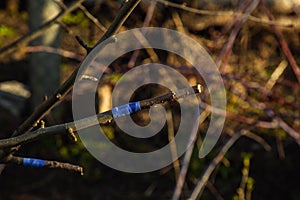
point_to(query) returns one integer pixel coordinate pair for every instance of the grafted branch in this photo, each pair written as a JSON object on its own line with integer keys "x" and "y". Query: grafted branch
{"x": 39, "y": 163}
{"x": 102, "y": 118}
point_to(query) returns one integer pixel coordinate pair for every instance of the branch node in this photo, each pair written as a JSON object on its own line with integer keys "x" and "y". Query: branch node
{"x": 88, "y": 77}
{"x": 124, "y": 2}
{"x": 42, "y": 123}
{"x": 200, "y": 88}
{"x": 58, "y": 96}
{"x": 83, "y": 44}
{"x": 72, "y": 134}
{"x": 36, "y": 123}
{"x": 66, "y": 166}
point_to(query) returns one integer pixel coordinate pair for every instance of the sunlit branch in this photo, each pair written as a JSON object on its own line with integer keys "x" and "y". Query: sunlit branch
{"x": 40, "y": 163}
{"x": 102, "y": 118}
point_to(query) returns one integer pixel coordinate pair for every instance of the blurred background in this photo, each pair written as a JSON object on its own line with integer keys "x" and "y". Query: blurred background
{"x": 256, "y": 57}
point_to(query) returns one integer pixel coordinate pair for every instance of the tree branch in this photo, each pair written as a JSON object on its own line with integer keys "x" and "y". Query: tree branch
{"x": 31, "y": 36}
{"x": 187, "y": 158}
{"x": 53, "y": 100}
{"x": 48, "y": 104}
{"x": 217, "y": 159}
{"x": 220, "y": 13}
{"x": 283, "y": 44}
{"x": 102, "y": 118}
{"x": 38, "y": 163}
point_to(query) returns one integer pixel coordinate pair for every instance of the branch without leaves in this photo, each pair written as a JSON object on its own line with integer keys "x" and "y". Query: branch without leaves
{"x": 33, "y": 162}
{"x": 220, "y": 13}
{"x": 215, "y": 162}
{"x": 48, "y": 104}
{"x": 31, "y": 36}
{"x": 187, "y": 158}
{"x": 102, "y": 118}
{"x": 53, "y": 100}
{"x": 283, "y": 44}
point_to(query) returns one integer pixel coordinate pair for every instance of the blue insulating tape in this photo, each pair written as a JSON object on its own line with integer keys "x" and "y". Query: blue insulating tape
{"x": 126, "y": 109}
{"x": 32, "y": 162}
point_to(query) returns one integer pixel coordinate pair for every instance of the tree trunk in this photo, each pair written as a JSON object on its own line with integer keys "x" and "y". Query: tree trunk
{"x": 44, "y": 67}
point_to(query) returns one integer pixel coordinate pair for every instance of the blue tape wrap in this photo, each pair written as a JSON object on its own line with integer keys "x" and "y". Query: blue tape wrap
{"x": 126, "y": 109}
{"x": 32, "y": 162}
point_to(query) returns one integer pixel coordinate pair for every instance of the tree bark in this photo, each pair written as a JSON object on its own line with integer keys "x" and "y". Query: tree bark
{"x": 44, "y": 67}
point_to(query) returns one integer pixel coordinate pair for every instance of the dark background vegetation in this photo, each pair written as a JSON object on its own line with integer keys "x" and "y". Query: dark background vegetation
{"x": 255, "y": 55}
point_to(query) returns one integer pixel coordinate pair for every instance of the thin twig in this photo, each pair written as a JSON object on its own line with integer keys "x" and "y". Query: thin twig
{"x": 218, "y": 13}
{"x": 83, "y": 44}
{"x": 214, "y": 191}
{"x": 146, "y": 23}
{"x": 173, "y": 148}
{"x": 33, "y": 162}
{"x": 226, "y": 51}
{"x": 275, "y": 75}
{"x": 292, "y": 132}
{"x": 185, "y": 165}
{"x": 53, "y": 100}
{"x": 279, "y": 144}
{"x": 92, "y": 18}
{"x": 259, "y": 140}
{"x": 241, "y": 118}
{"x": 47, "y": 105}
{"x": 262, "y": 90}
{"x": 187, "y": 158}
{"x": 202, "y": 182}
{"x": 31, "y": 36}
{"x": 48, "y": 49}
{"x": 123, "y": 14}
{"x": 245, "y": 176}
{"x": 283, "y": 44}
{"x": 277, "y": 121}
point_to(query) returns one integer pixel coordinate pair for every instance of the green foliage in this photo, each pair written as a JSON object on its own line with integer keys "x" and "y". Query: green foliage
{"x": 114, "y": 78}
{"x": 77, "y": 18}
{"x": 109, "y": 132}
{"x": 6, "y": 32}
{"x": 250, "y": 184}
{"x": 247, "y": 182}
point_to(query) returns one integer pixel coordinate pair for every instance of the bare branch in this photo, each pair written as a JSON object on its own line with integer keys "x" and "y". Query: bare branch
{"x": 92, "y": 18}
{"x": 83, "y": 44}
{"x": 293, "y": 133}
{"x": 283, "y": 44}
{"x": 48, "y": 49}
{"x": 187, "y": 158}
{"x": 102, "y": 118}
{"x": 220, "y": 13}
{"x": 53, "y": 100}
{"x": 173, "y": 148}
{"x": 218, "y": 158}
{"x": 33, "y": 162}
{"x": 259, "y": 140}
{"x": 240, "y": 20}
{"x": 27, "y": 38}
{"x": 48, "y": 104}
